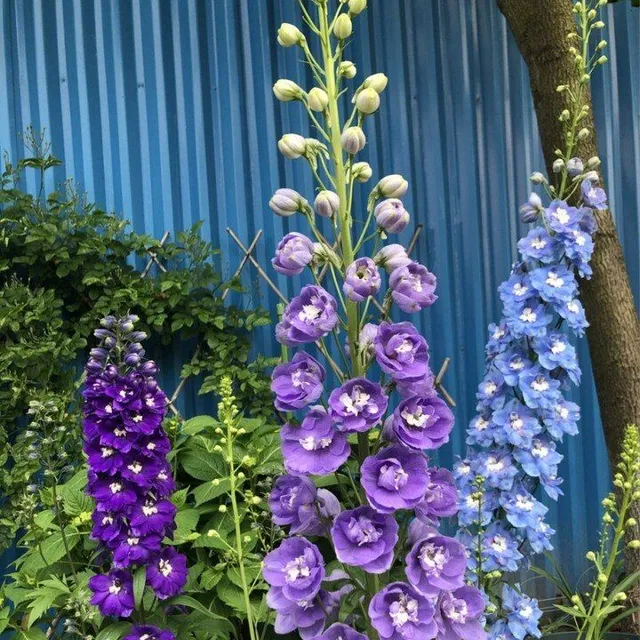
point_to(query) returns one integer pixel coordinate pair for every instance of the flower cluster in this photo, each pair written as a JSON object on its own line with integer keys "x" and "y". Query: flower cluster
{"x": 372, "y": 418}
{"x": 522, "y": 410}
{"x": 129, "y": 476}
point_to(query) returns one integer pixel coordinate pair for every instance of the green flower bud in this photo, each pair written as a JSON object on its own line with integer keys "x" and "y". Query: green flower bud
{"x": 593, "y": 162}
{"x": 292, "y": 145}
{"x": 222, "y": 508}
{"x": 317, "y": 99}
{"x": 212, "y": 533}
{"x": 378, "y": 82}
{"x": 598, "y": 25}
{"x": 537, "y": 178}
{"x": 621, "y": 597}
{"x": 591, "y": 556}
{"x": 361, "y": 171}
{"x": 256, "y": 500}
{"x": 634, "y": 544}
{"x": 631, "y": 522}
{"x": 323, "y": 254}
{"x": 347, "y": 69}
{"x": 558, "y": 165}
{"x": 246, "y": 539}
{"x": 602, "y": 60}
{"x": 392, "y": 186}
{"x": 287, "y": 90}
{"x": 602, "y": 579}
{"x": 343, "y": 27}
{"x": 289, "y": 35}
{"x": 353, "y": 140}
{"x": 592, "y": 14}
{"x": 368, "y": 101}
{"x": 583, "y": 134}
{"x": 602, "y": 45}
{"x": 241, "y": 476}
{"x": 575, "y": 599}
{"x": 356, "y": 7}
{"x": 215, "y": 482}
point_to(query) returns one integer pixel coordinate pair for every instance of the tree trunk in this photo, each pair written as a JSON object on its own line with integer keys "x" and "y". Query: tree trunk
{"x": 540, "y": 28}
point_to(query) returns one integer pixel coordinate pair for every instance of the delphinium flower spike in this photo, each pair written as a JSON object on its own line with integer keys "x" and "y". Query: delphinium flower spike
{"x": 129, "y": 476}
{"x": 364, "y": 558}
{"x": 522, "y": 410}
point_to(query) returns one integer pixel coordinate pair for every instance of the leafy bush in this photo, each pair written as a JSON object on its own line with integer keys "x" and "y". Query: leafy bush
{"x": 64, "y": 265}
{"x": 48, "y": 589}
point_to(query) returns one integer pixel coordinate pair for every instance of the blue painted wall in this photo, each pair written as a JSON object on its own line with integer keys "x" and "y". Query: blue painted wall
{"x": 162, "y": 110}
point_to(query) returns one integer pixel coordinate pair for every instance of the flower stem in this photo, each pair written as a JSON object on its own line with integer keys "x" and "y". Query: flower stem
{"x": 345, "y": 223}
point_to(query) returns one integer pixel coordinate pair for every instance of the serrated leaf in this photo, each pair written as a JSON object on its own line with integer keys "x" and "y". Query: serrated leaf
{"x": 51, "y": 550}
{"x": 114, "y": 631}
{"x": 197, "y": 424}
{"x": 202, "y": 464}
{"x": 192, "y": 603}
{"x": 210, "y": 490}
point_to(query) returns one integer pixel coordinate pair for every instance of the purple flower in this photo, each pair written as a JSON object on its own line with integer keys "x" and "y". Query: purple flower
{"x": 425, "y": 386}
{"x": 422, "y": 423}
{"x": 459, "y": 615}
{"x": 413, "y": 287}
{"x": 560, "y": 216}
{"x": 293, "y": 253}
{"x": 593, "y": 196}
{"x": 308, "y": 317}
{"x": 401, "y": 351}
{"x": 531, "y": 209}
{"x": 307, "y": 617}
{"x": 395, "y": 478}
{"x": 297, "y": 383}
{"x": 113, "y": 593}
{"x": 168, "y": 573}
{"x": 441, "y": 498}
{"x": 391, "y": 215}
{"x": 339, "y": 631}
{"x": 292, "y": 502}
{"x": 399, "y": 612}
{"x": 315, "y": 447}
{"x": 136, "y": 550}
{"x": 436, "y": 563}
{"x": 358, "y": 405}
{"x": 296, "y": 567}
{"x": 149, "y": 632}
{"x": 391, "y": 257}
{"x": 362, "y": 280}
{"x": 362, "y": 537}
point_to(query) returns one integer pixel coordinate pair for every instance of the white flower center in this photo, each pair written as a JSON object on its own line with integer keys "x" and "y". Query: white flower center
{"x": 433, "y": 558}
{"x": 296, "y": 569}
{"x": 165, "y": 568}
{"x": 481, "y": 424}
{"x": 405, "y": 347}
{"x": 106, "y": 452}
{"x": 312, "y": 444}
{"x": 524, "y": 503}
{"x": 115, "y": 588}
{"x": 309, "y": 313}
{"x": 562, "y": 215}
{"x": 540, "y": 384}
{"x": 525, "y": 611}
{"x": 539, "y": 450}
{"x": 538, "y": 244}
{"x": 554, "y": 280}
{"x": 499, "y": 544}
{"x": 519, "y": 289}
{"x": 137, "y": 418}
{"x": 490, "y": 388}
{"x": 494, "y": 464}
{"x": 135, "y": 467}
{"x": 528, "y": 315}
{"x": 563, "y": 412}
{"x": 132, "y": 542}
{"x": 149, "y": 510}
{"x": 417, "y": 419}
{"x": 403, "y": 611}
{"x": 356, "y": 402}
{"x": 573, "y": 307}
{"x": 115, "y": 487}
{"x": 558, "y": 347}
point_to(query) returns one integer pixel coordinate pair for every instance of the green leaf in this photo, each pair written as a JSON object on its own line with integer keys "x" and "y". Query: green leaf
{"x": 210, "y": 490}
{"x": 51, "y": 550}
{"x": 197, "y": 424}
{"x": 139, "y": 583}
{"x": 114, "y": 631}
{"x": 231, "y": 594}
{"x": 192, "y": 603}
{"x": 202, "y": 464}
{"x": 32, "y": 634}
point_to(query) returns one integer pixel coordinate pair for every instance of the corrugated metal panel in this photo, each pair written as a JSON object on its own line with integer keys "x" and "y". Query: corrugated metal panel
{"x": 162, "y": 110}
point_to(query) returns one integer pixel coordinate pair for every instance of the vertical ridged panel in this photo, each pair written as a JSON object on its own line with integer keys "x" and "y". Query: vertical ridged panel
{"x": 163, "y": 112}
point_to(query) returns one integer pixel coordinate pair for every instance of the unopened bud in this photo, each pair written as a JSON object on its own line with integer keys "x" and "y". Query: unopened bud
{"x": 292, "y": 145}
{"x": 591, "y": 556}
{"x": 343, "y": 27}
{"x": 286, "y": 90}
{"x": 583, "y": 134}
{"x": 356, "y": 7}
{"x": 602, "y": 60}
{"x": 347, "y": 69}
{"x": 564, "y": 116}
{"x": 634, "y": 544}
{"x": 215, "y": 482}
{"x": 318, "y": 99}
{"x": 368, "y": 101}
{"x": 361, "y": 171}
{"x": 537, "y": 178}
{"x": 598, "y": 25}
{"x": 575, "y": 599}
{"x": 592, "y": 14}
{"x": 602, "y": 45}
{"x": 286, "y": 202}
{"x": 212, "y": 533}
{"x": 353, "y": 140}
{"x": 392, "y": 186}
{"x": 222, "y": 508}
{"x": 378, "y": 82}
{"x": 558, "y": 165}
{"x": 631, "y": 522}
{"x": 289, "y": 35}
{"x": 326, "y": 204}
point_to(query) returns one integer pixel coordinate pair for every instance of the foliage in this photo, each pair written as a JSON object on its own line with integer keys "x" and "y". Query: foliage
{"x": 48, "y": 588}
{"x": 65, "y": 264}
{"x": 598, "y": 611}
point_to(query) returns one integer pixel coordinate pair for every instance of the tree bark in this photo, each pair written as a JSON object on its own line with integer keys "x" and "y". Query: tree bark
{"x": 540, "y": 28}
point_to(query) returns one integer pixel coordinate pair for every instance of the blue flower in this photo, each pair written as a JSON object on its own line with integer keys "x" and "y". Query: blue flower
{"x": 541, "y": 460}
{"x": 539, "y": 245}
{"x": 523, "y": 613}
{"x": 578, "y": 246}
{"x": 562, "y": 417}
{"x": 521, "y": 508}
{"x": 530, "y": 320}
{"x": 474, "y": 510}
{"x": 489, "y": 391}
{"x": 539, "y": 536}
{"x": 538, "y": 388}
{"x": 555, "y": 283}
{"x": 560, "y": 216}
{"x": 555, "y": 351}
{"x": 515, "y": 291}
{"x": 482, "y": 432}
{"x": 500, "y": 549}
{"x": 511, "y": 363}
{"x": 593, "y": 196}
{"x": 500, "y": 631}
{"x": 519, "y": 423}
{"x": 499, "y": 338}
{"x": 573, "y": 313}
{"x": 497, "y": 468}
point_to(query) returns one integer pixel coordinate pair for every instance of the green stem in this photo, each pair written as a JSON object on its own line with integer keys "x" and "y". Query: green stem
{"x": 236, "y": 519}
{"x": 345, "y": 223}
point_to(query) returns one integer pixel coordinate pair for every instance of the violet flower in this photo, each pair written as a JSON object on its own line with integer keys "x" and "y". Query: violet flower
{"x": 292, "y": 503}
{"x": 339, "y": 631}
{"x": 364, "y": 538}
{"x": 362, "y": 280}
{"x": 358, "y": 405}
{"x": 297, "y": 383}
{"x": 401, "y": 351}
{"x": 459, "y": 614}
{"x": 422, "y": 423}
{"x": 148, "y": 632}
{"x": 391, "y": 215}
{"x": 113, "y": 593}
{"x": 413, "y": 287}
{"x": 293, "y": 253}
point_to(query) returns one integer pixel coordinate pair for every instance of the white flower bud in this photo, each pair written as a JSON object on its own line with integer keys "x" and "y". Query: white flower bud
{"x": 286, "y": 90}
{"x": 292, "y": 145}
{"x": 286, "y": 202}
{"x": 602, "y": 60}
{"x": 289, "y": 35}
{"x": 347, "y": 69}
{"x": 598, "y": 25}
{"x": 558, "y": 165}
{"x": 378, "y": 82}
{"x": 326, "y": 204}
{"x": 593, "y": 162}
{"x": 318, "y": 99}
{"x": 343, "y": 27}
{"x": 361, "y": 171}
{"x": 356, "y": 7}
{"x": 353, "y": 140}
{"x": 537, "y": 178}
{"x": 393, "y": 186}
{"x": 583, "y": 134}
{"x": 368, "y": 101}
{"x": 591, "y": 175}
